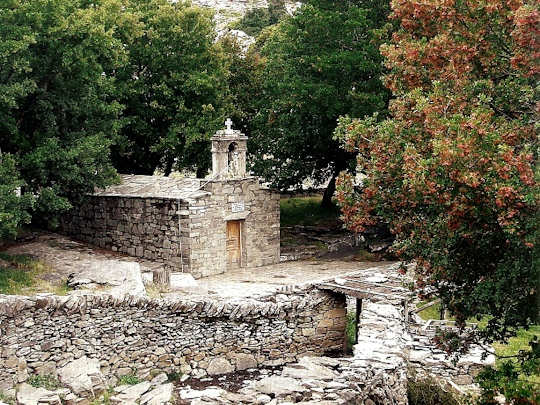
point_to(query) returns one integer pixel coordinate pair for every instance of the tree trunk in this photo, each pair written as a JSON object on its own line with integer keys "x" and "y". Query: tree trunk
{"x": 329, "y": 193}
{"x": 161, "y": 277}
{"x": 201, "y": 172}
{"x": 168, "y": 166}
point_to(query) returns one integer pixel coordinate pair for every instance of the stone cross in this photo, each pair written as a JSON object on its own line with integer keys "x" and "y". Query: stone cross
{"x": 228, "y": 124}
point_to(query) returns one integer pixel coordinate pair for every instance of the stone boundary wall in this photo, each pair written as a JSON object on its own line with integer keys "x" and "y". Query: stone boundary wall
{"x": 140, "y": 335}
{"x": 428, "y": 360}
{"x": 143, "y": 227}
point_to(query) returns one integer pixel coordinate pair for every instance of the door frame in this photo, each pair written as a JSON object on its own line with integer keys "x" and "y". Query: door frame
{"x": 241, "y": 223}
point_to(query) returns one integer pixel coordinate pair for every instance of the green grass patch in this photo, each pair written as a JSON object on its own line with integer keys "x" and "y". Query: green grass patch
{"x": 46, "y": 381}
{"x": 433, "y": 312}
{"x": 6, "y": 399}
{"x": 307, "y": 211}
{"x": 350, "y": 329}
{"x": 130, "y": 379}
{"x": 14, "y": 280}
{"x": 515, "y": 345}
{"x": 19, "y": 275}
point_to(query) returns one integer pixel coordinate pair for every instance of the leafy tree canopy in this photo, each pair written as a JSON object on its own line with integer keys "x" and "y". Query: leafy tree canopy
{"x": 14, "y": 208}
{"x": 317, "y": 65}
{"x": 56, "y": 113}
{"x": 255, "y": 20}
{"x": 78, "y": 78}
{"x": 452, "y": 169}
{"x": 173, "y": 87}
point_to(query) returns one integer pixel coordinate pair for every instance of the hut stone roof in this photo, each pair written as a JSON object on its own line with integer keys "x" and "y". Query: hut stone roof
{"x": 154, "y": 187}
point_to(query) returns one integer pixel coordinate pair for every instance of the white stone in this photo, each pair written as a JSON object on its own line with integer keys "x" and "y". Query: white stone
{"x": 262, "y": 399}
{"x": 134, "y": 392}
{"x": 79, "y": 374}
{"x": 119, "y": 277}
{"x": 278, "y": 385}
{"x": 147, "y": 278}
{"x": 158, "y": 396}
{"x": 182, "y": 280}
{"x": 219, "y": 365}
{"x": 159, "y": 379}
{"x": 28, "y": 395}
{"x": 211, "y": 393}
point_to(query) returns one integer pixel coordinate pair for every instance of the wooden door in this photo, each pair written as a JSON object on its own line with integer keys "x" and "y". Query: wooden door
{"x": 234, "y": 252}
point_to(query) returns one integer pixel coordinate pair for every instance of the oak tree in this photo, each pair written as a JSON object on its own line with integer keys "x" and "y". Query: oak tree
{"x": 320, "y": 63}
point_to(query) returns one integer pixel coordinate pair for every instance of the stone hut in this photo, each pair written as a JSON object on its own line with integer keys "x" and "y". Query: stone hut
{"x": 198, "y": 226}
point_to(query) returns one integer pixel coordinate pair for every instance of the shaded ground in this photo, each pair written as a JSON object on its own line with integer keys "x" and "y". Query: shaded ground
{"x": 309, "y": 230}
{"x": 56, "y": 257}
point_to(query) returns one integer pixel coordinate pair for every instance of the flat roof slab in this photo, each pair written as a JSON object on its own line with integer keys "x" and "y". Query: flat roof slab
{"x": 256, "y": 281}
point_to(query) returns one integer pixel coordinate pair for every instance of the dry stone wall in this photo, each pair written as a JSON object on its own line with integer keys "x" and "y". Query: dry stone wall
{"x": 149, "y": 228}
{"x": 39, "y": 335}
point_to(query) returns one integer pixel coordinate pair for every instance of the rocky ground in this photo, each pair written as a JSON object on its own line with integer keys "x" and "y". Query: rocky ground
{"x": 231, "y": 10}
{"x": 333, "y": 242}
{"x": 83, "y": 267}
{"x": 375, "y": 374}
{"x": 79, "y": 265}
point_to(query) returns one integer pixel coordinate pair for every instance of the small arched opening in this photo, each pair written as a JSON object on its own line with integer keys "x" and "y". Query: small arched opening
{"x": 233, "y": 158}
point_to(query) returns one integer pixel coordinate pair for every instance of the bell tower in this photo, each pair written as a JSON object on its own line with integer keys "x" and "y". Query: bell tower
{"x": 229, "y": 149}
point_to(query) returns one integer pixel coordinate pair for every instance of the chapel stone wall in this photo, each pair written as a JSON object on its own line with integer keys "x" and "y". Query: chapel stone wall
{"x": 156, "y": 229}
{"x": 240, "y": 199}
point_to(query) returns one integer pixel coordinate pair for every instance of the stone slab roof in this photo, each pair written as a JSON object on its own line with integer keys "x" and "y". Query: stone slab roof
{"x": 154, "y": 187}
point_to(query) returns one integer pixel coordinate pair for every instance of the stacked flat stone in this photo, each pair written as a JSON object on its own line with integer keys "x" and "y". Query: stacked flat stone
{"x": 135, "y": 334}
{"x": 181, "y": 223}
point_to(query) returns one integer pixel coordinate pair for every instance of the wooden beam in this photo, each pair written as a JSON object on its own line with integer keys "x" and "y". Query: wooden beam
{"x": 363, "y": 292}
{"x": 358, "y": 312}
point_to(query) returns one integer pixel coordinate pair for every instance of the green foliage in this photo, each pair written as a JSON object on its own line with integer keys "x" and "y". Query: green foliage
{"x": 173, "y": 87}
{"x": 174, "y": 376}
{"x": 426, "y": 391}
{"x": 14, "y": 208}
{"x": 516, "y": 374}
{"x": 79, "y": 79}
{"x": 350, "y": 329}
{"x": 129, "y": 379}
{"x": 452, "y": 170}
{"x": 46, "y": 381}
{"x": 512, "y": 378}
{"x": 307, "y": 211}
{"x": 55, "y": 111}
{"x": 255, "y": 20}
{"x": 8, "y": 400}
{"x": 304, "y": 73}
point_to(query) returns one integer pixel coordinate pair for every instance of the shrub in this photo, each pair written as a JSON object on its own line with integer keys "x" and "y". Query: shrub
{"x": 130, "y": 379}
{"x": 46, "y": 381}
{"x": 427, "y": 391}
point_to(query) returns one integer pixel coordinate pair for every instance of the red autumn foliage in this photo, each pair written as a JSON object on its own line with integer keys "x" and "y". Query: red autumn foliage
{"x": 452, "y": 171}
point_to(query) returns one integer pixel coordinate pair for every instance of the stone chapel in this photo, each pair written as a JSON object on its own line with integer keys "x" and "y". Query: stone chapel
{"x": 198, "y": 226}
